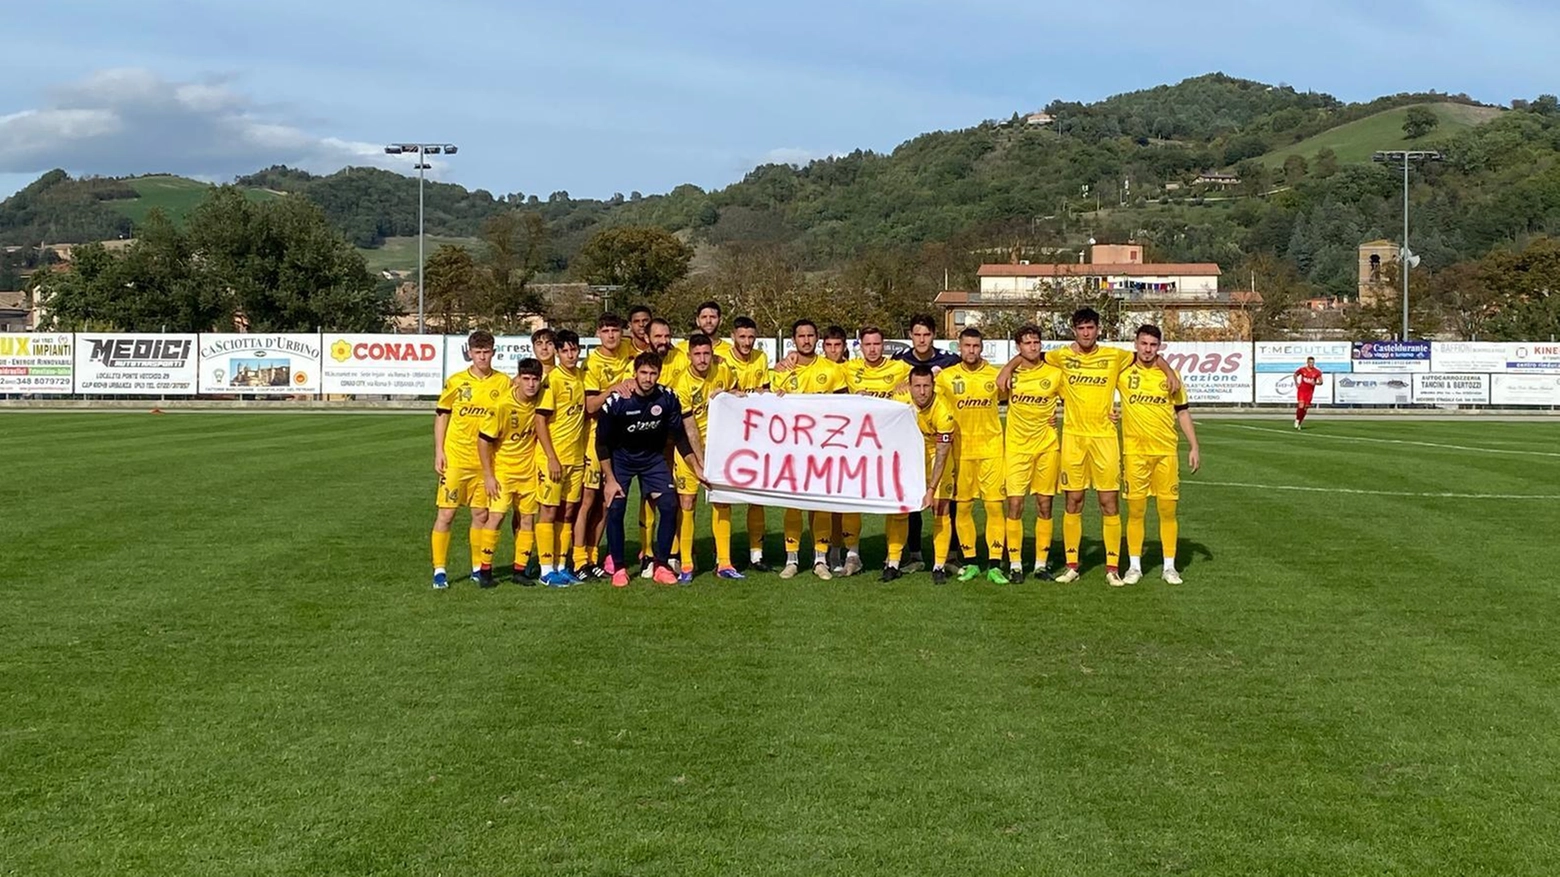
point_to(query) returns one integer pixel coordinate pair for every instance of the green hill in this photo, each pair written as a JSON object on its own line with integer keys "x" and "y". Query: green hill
{"x": 400, "y": 253}
{"x": 1353, "y": 142}
{"x": 176, "y": 196}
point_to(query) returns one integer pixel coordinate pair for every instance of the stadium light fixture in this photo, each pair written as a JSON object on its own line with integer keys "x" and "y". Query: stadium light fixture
{"x": 422, "y": 151}
{"x": 1406, "y": 258}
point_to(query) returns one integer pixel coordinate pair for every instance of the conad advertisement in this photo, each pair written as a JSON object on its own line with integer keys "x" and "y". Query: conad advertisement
{"x": 35, "y": 363}
{"x": 1439, "y": 389}
{"x": 260, "y": 364}
{"x": 1373, "y": 389}
{"x": 385, "y": 365}
{"x": 1214, "y": 371}
{"x": 137, "y": 365}
{"x": 1525, "y": 389}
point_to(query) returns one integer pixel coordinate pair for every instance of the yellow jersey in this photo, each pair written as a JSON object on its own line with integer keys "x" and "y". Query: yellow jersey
{"x": 468, "y": 400}
{"x": 694, "y": 392}
{"x": 879, "y": 380}
{"x": 722, "y": 347}
{"x": 936, "y": 424}
{"x": 672, "y": 365}
{"x": 1089, "y": 391}
{"x": 751, "y": 374}
{"x": 1031, "y": 403}
{"x": 512, "y": 424}
{"x": 604, "y": 370}
{"x": 1148, "y": 411}
{"x": 819, "y": 376}
{"x": 973, "y": 395}
{"x": 563, "y": 396}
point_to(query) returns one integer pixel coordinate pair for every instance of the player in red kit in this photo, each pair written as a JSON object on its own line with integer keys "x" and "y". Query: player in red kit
{"x": 1307, "y": 379}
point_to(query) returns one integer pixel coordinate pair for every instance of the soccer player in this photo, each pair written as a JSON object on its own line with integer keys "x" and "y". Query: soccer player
{"x": 750, "y": 372}
{"x": 706, "y": 377}
{"x": 639, "y": 318}
{"x": 467, "y": 399}
{"x": 673, "y": 361}
{"x": 560, "y": 432}
{"x": 872, "y": 375}
{"x": 707, "y": 322}
{"x": 1091, "y": 449}
{"x": 1307, "y": 379}
{"x": 971, "y": 388}
{"x": 544, "y": 346}
{"x": 507, "y": 448}
{"x": 1150, "y": 411}
{"x": 631, "y": 437}
{"x": 812, "y": 373}
{"x": 923, "y": 330}
{"x": 1033, "y": 449}
{"x": 609, "y": 366}
{"x": 938, "y": 428}
{"x": 836, "y": 349}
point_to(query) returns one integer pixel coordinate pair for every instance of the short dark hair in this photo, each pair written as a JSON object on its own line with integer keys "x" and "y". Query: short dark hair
{"x": 640, "y": 309}
{"x": 567, "y": 337}
{"x": 744, "y": 323}
{"x": 481, "y": 339}
{"x": 971, "y": 332}
{"x": 1151, "y": 330}
{"x": 835, "y": 333}
{"x": 922, "y": 371}
{"x": 699, "y": 339}
{"x": 706, "y": 306}
{"x": 650, "y": 358}
{"x": 1310, "y": 359}
{"x": 800, "y": 323}
{"x": 1085, "y": 315}
{"x": 869, "y": 330}
{"x": 609, "y": 321}
{"x": 547, "y": 335}
{"x": 924, "y": 320}
{"x": 661, "y": 321}
{"x": 1026, "y": 330}
{"x": 529, "y": 366}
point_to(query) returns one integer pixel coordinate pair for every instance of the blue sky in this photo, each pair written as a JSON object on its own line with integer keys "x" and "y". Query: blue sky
{"x": 600, "y": 97}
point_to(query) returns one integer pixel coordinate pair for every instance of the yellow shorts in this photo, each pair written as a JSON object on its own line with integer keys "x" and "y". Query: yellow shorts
{"x": 592, "y": 474}
{"x": 682, "y": 476}
{"x": 515, "y": 493}
{"x": 943, "y": 489}
{"x": 1158, "y": 475}
{"x": 565, "y": 490}
{"x": 1035, "y": 474}
{"x": 979, "y": 479}
{"x": 1091, "y": 462}
{"x": 461, "y": 487}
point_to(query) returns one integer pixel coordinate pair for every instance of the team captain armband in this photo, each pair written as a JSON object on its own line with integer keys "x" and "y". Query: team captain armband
{"x": 945, "y": 438}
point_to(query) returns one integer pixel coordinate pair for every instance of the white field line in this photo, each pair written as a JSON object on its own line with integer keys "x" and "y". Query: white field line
{"x": 1365, "y": 492}
{"x": 1387, "y": 441}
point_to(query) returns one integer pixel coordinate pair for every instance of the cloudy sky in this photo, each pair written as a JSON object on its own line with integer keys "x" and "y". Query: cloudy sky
{"x": 599, "y": 97}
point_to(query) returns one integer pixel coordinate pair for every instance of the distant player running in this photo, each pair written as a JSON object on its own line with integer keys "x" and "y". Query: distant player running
{"x": 1307, "y": 379}
{"x": 1150, "y": 411}
{"x": 631, "y": 437}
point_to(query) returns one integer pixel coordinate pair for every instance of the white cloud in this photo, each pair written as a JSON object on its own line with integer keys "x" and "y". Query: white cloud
{"x": 129, "y": 121}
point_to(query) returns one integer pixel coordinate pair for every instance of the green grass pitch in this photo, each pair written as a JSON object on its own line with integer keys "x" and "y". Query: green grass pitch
{"x": 219, "y": 654}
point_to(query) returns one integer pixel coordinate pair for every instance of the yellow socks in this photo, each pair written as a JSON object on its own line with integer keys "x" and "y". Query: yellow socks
{"x": 1112, "y": 531}
{"x": 525, "y": 540}
{"x": 581, "y": 557}
{"x": 1072, "y": 535}
{"x": 964, "y": 529}
{"x": 720, "y": 527}
{"x": 565, "y": 542}
{"x": 940, "y": 526}
{"x": 897, "y": 531}
{"x": 489, "y": 542}
{"x": 1015, "y": 542}
{"x": 755, "y": 530}
{"x": 1137, "y": 525}
{"x": 996, "y": 532}
{"x": 546, "y": 545}
{"x": 793, "y": 530}
{"x": 475, "y": 540}
{"x": 823, "y": 532}
{"x": 1045, "y": 529}
{"x": 685, "y": 518}
{"x": 441, "y": 548}
{"x": 849, "y": 531}
{"x": 1169, "y": 530}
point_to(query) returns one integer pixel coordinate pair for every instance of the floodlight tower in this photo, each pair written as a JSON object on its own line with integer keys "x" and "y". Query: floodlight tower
{"x": 1406, "y": 258}
{"x": 422, "y": 151}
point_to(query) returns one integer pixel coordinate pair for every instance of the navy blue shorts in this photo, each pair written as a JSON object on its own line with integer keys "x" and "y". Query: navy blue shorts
{"x": 653, "y": 473}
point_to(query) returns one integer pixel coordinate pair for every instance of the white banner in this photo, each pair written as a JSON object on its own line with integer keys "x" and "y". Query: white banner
{"x": 822, "y": 453}
{"x": 384, "y": 365}
{"x": 1279, "y": 357}
{"x": 260, "y": 364}
{"x": 1443, "y": 389}
{"x": 137, "y": 365}
{"x": 1274, "y": 388}
{"x": 508, "y": 350}
{"x": 1469, "y": 356}
{"x": 1373, "y": 389}
{"x": 1525, "y": 389}
{"x": 33, "y": 362}
{"x": 1530, "y": 357}
{"x": 1213, "y": 371}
